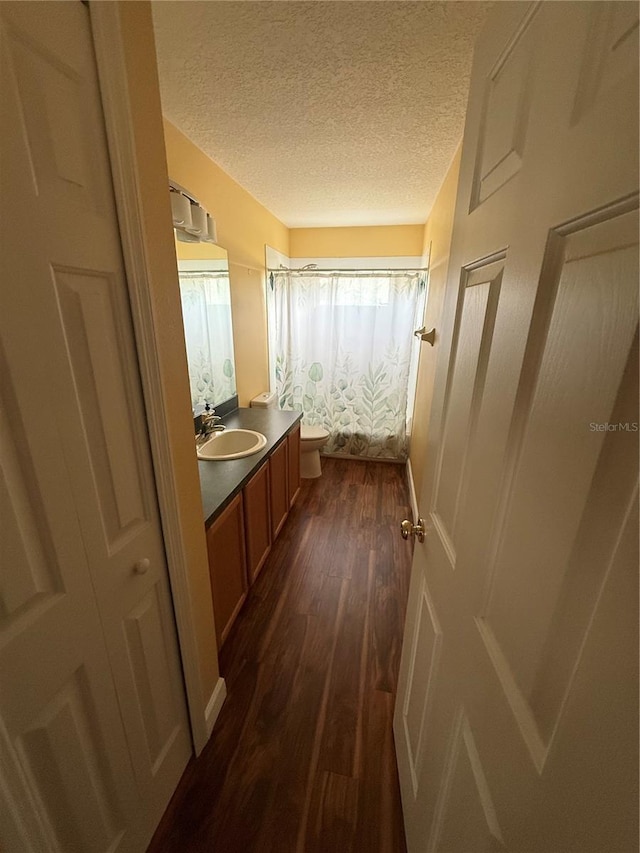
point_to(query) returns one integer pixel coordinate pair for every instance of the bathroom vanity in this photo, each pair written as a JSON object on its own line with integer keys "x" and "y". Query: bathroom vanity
{"x": 246, "y": 502}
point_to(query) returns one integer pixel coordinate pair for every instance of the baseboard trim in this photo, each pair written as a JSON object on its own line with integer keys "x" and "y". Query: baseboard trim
{"x": 412, "y": 493}
{"x": 349, "y": 458}
{"x": 214, "y": 705}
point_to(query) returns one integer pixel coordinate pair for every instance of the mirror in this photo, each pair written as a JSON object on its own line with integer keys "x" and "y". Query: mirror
{"x": 203, "y": 271}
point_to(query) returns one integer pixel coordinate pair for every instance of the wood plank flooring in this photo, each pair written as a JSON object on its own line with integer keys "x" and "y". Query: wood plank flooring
{"x": 302, "y": 756}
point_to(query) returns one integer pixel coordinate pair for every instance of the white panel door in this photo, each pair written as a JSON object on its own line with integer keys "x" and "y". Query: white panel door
{"x": 516, "y": 723}
{"x": 91, "y": 699}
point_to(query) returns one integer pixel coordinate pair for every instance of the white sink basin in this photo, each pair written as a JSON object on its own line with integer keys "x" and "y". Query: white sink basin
{"x": 231, "y": 444}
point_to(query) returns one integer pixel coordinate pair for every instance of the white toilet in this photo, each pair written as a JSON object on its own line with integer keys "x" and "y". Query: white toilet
{"x": 312, "y": 438}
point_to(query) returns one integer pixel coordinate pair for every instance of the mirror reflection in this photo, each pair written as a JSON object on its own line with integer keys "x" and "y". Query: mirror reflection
{"x": 206, "y": 311}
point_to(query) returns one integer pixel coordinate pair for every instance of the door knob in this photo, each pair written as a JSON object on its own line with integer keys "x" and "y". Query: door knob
{"x": 142, "y": 566}
{"x": 429, "y": 336}
{"x": 408, "y": 528}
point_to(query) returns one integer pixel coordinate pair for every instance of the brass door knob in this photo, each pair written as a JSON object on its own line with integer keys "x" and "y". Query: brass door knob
{"x": 408, "y": 528}
{"x": 429, "y": 337}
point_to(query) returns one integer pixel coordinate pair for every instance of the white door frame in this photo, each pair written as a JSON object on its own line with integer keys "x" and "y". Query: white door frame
{"x": 112, "y": 76}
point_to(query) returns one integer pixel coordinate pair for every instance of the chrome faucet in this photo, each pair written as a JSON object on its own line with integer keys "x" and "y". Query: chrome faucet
{"x": 210, "y": 422}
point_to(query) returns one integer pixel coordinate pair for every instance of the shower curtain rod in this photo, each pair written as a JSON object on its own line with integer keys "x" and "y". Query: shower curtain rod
{"x": 352, "y": 271}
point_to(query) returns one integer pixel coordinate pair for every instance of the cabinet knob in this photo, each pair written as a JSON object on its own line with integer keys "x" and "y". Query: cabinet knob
{"x": 142, "y": 566}
{"x": 407, "y": 529}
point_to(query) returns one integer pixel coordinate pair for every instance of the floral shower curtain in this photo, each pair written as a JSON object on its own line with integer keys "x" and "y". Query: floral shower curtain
{"x": 344, "y": 349}
{"x": 206, "y": 308}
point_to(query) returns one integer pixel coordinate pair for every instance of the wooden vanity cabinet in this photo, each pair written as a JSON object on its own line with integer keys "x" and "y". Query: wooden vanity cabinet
{"x": 240, "y": 539}
{"x": 227, "y": 566}
{"x": 279, "y": 488}
{"x": 293, "y": 464}
{"x": 257, "y": 521}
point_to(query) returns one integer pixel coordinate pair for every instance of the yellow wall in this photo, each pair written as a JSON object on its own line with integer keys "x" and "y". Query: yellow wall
{"x": 373, "y": 242}
{"x": 152, "y": 169}
{"x": 244, "y": 227}
{"x": 437, "y": 234}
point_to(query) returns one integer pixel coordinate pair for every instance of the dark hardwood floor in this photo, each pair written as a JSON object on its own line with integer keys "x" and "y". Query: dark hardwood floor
{"x": 302, "y": 757}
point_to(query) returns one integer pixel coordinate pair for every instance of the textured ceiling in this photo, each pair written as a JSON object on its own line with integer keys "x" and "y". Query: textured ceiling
{"x": 329, "y": 113}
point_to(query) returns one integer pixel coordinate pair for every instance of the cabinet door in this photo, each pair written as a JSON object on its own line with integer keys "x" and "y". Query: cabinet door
{"x": 293, "y": 446}
{"x": 279, "y": 488}
{"x": 227, "y": 566}
{"x": 257, "y": 521}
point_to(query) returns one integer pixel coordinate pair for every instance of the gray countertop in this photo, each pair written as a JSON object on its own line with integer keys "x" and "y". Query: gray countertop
{"x": 220, "y": 481}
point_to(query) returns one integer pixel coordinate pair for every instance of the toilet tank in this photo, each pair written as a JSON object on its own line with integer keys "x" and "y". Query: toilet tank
{"x": 266, "y": 400}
